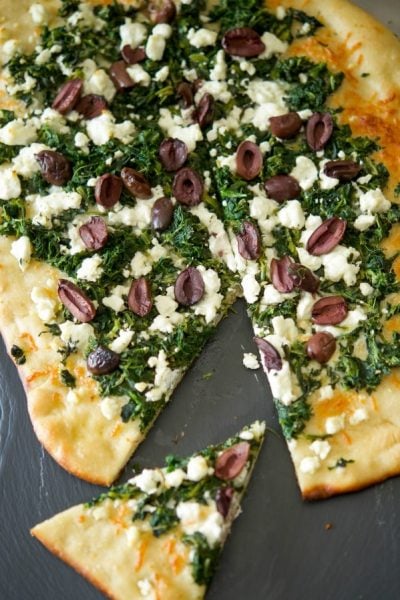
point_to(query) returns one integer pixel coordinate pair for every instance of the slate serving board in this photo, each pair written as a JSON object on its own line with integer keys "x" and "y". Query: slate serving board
{"x": 279, "y": 549}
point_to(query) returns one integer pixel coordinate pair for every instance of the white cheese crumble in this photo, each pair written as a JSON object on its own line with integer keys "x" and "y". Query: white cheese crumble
{"x": 250, "y": 361}
{"x": 273, "y": 45}
{"x": 308, "y": 260}
{"x": 292, "y": 215}
{"x": 102, "y": 128}
{"x": 204, "y": 519}
{"x": 190, "y": 134}
{"x": 305, "y": 172}
{"x": 304, "y": 309}
{"x": 334, "y": 424}
{"x": 272, "y": 296}
{"x": 76, "y": 335}
{"x": 251, "y": 288}
{"x": 174, "y": 478}
{"x": 139, "y": 75}
{"x": 366, "y": 289}
{"x": 165, "y": 379}
{"x": 326, "y": 392}
{"x": 309, "y": 465}
{"x": 10, "y": 185}
{"x": 25, "y": 163}
{"x": 111, "y": 406}
{"x": 121, "y": 342}
{"x": 284, "y": 384}
{"x": 337, "y": 266}
{"x": 81, "y": 141}
{"x": 202, "y": 37}
{"x": 268, "y": 97}
{"x": 285, "y": 329}
{"x": 38, "y": 13}
{"x": 218, "y": 89}
{"x": 115, "y": 300}
{"x": 155, "y": 47}
{"x": 358, "y": 416}
{"x": 364, "y": 222}
{"x": 211, "y": 301}
{"x": 21, "y": 249}
{"x": 90, "y": 269}
{"x": 326, "y": 183}
{"x": 45, "y": 301}
{"x": 219, "y": 71}
{"x": 374, "y": 201}
{"x": 197, "y": 468}
{"x": 218, "y": 240}
{"x": 132, "y": 34}
{"x": 96, "y": 81}
{"x": 168, "y": 317}
{"x": 43, "y": 208}
{"x": 148, "y": 481}
{"x": 18, "y": 133}
{"x": 161, "y": 74}
{"x": 321, "y": 448}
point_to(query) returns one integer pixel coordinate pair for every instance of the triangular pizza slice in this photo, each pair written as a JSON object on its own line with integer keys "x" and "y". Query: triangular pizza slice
{"x": 160, "y": 534}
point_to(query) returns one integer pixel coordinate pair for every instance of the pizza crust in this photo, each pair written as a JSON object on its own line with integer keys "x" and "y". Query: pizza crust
{"x": 95, "y": 543}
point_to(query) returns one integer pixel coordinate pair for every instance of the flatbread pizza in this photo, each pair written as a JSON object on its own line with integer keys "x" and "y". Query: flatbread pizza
{"x": 161, "y": 160}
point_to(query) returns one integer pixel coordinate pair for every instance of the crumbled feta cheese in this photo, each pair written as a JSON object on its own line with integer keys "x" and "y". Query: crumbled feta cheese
{"x": 197, "y": 468}
{"x": 139, "y": 75}
{"x": 162, "y": 29}
{"x": 43, "y": 208}
{"x": 312, "y": 223}
{"x": 145, "y": 588}
{"x": 76, "y": 335}
{"x": 111, "y": 406}
{"x": 45, "y": 301}
{"x": 360, "y": 348}
{"x": 326, "y": 392}
{"x": 149, "y": 480}
{"x": 99, "y": 83}
{"x": 174, "y": 478}
{"x": 309, "y": 260}
{"x": 7, "y": 50}
{"x": 121, "y": 342}
{"x": 334, "y": 424}
{"x": 284, "y": 384}
{"x": 18, "y": 133}
{"x": 165, "y": 379}
{"x": 212, "y": 299}
{"x": 90, "y": 269}
{"x": 337, "y": 267}
{"x": 202, "y": 37}
{"x": 25, "y": 162}
{"x": 72, "y": 397}
{"x": 269, "y": 96}
{"x": 292, "y": 215}
{"x": 167, "y": 318}
{"x": 162, "y": 74}
{"x": 155, "y": 47}
{"x": 358, "y": 416}
{"x": 309, "y": 465}
{"x": 81, "y": 141}
{"x": 326, "y": 183}
{"x": 364, "y": 222}
{"x": 190, "y": 134}
{"x": 304, "y": 308}
{"x": 115, "y": 300}
{"x": 280, "y": 13}
{"x": 141, "y": 265}
{"x": 10, "y": 186}
{"x": 250, "y": 361}
{"x": 285, "y": 328}
{"x": 374, "y": 202}
{"x": 305, "y": 172}
{"x": 227, "y": 161}
{"x": 101, "y": 128}
{"x": 204, "y": 519}
{"x": 21, "y": 249}
{"x": 272, "y": 296}
{"x": 251, "y": 288}
{"x": 54, "y": 120}
{"x": 219, "y": 71}
{"x": 218, "y": 240}
{"x": 273, "y": 45}
{"x": 132, "y": 34}
{"x": 38, "y": 13}
{"x": 218, "y": 89}
{"x": 366, "y": 289}
{"x": 321, "y": 448}
{"x": 86, "y": 16}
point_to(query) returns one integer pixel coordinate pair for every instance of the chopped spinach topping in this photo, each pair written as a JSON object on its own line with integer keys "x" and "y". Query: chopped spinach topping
{"x": 204, "y": 561}
{"x": 18, "y": 355}
{"x": 341, "y": 463}
{"x": 67, "y": 378}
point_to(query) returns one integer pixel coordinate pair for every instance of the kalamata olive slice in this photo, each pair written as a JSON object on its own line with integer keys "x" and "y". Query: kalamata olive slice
{"x": 107, "y": 191}
{"x": 132, "y": 56}
{"x": 330, "y": 310}
{"x": 270, "y": 357}
{"x": 140, "y": 297}
{"x": 249, "y": 241}
{"x": 91, "y": 106}
{"x": 223, "y": 500}
{"x": 204, "y": 113}
{"x": 280, "y": 276}
{"x": 319, "y": 130}
{"x": 76, "y": 301}
{"x": 303, "y": 278}
{"x": 120, "y": 76}
{"x": 249, "y": 160}
{"x": 173, "y": 153}
{"x": 136, "y": 184}
{"x": 94, "y": 233}
{"x": 162, "y": 11}
{"x": 231, "y": 462}
{"x": 189, "y": 287}
{"x": 188, "y": 187}
{"x": 327, "y": 236}
{"x": 344, "y": 170}
{"x": 162, "y": 213}
{"x": 102, "y": 361}
{"x": 282, "y": 187}
{"x": 286, "y": 126}
{"x": 321, "y": 347}
{"x": 185, "y": 92}
{"x": 68, "y": 96}
{"x": 243, "y": 41}
{"x": 54, "y": 167}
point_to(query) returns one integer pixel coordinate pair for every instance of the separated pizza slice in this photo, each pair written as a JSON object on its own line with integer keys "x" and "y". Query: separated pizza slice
{"x": 160, "y": 534}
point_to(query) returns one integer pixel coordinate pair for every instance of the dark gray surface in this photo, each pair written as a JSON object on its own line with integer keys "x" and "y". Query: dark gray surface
{"x": 279, "y": 548}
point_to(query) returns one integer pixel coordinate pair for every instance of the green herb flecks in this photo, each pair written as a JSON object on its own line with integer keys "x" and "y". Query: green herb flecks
{"x": 204, "y": 561}
{"x": 341, "y": 463}
{"x": 18, "y": 355}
